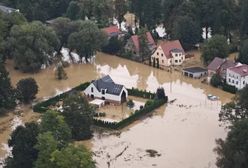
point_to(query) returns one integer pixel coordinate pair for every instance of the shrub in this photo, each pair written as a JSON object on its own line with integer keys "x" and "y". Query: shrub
{"x": 130, "y": 103}
{"x": 216, "y": 80}
{"x": 27, "y": 88}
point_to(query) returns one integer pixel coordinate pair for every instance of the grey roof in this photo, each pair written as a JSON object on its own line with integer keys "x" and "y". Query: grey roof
{"x": 107, "y": 83}
{"x": 195, "y": 69}
{"x": 7, "y": 10}
{"x": 216, "y": 63}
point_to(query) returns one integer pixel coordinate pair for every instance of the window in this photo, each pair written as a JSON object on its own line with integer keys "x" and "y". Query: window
{"x": 229, "y": 80}
{"x": 162, "y": 61}
{"x": 243, "y": 82}
{"x": 237, "y": 82}
{"x": 162, "y": 55}
{"x": 232, "y": 81}
{"x": 176, "y": 55}
{"x": 176, "y": 61}
{"x": 103, "y": 91}
{"x": 157, "y": 53}
{"x": 92, "y": 89}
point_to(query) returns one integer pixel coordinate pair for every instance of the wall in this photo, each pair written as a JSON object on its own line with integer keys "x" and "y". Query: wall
{"x": 163, "y": 61}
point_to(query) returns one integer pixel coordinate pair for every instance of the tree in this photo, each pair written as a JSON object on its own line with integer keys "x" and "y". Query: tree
{"x": 215, "y": 47}
{"x": 40, "y": 9}
{"x": 233, "y": 151}
{"x": 63, "y": 28}
{"x": 78, "y": 115}
{"x": 244, "y": 19}
{"x": 120, "y": 9}
{"x": 216, "y": 80}
{"x": 160, "y": 94}
{"x": 145, "y": 52}
{"x": 114, "y": 46}
{"x": 7, "y": 93}
{"x": 54, "y": 123}
{"x": 237, "y": 109}
{"x": 27, "y": 89}
{"x": 46, "y": 145}
{"x": 77, "y": 157}
{"x": 243, "y": 53}
{"x": 87, "y": 40}
{"x": 187, "y": 31}
{"x": 33, "y": 45}
{"x": 23, "y": 140}
{"x": 60, "y": 72}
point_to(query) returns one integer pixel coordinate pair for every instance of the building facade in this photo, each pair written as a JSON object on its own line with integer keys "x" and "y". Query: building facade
{"x": 237, "y": 76}
{"x": 169, "y": 53}
{"x": 106, "y": 89}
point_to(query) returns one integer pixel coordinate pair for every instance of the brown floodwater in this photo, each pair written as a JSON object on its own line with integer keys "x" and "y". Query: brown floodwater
{"x": 183, "y": 133}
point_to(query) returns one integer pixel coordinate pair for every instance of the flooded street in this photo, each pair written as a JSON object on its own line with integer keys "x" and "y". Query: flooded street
{"x": 182, "y": 133}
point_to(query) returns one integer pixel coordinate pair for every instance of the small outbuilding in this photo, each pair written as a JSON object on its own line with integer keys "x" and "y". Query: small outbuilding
{"x": 195, "y": 72}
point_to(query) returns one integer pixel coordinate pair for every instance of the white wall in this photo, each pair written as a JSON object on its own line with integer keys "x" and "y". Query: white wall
{"x": 159, "y": 53}
{"x": 98, "y": 94}
{"x": 178, "y": 58}
{"x": 236, "y": 80}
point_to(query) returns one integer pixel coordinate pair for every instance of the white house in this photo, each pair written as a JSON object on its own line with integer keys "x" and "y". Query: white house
{"x": 237, "y": 76}
{"x": 169, "y": 53}
{"x": 106, "y": 89}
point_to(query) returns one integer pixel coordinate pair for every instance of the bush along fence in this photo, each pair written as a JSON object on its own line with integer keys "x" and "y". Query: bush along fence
{"x": 136, "y": 115}
{"x": 150, "y": 106}
{"x": 44, "y": 106}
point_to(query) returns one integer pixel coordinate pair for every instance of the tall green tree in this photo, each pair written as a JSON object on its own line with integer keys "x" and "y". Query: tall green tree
{"x": 145, "y": 51}
{"x": 70, "y": 156}
{"x": 46, "y": 145}
{"x": 243, "y": 52}
{"x": 7, "y": 93}
{"x": 215, "y": 47}
{"x": 237, "y": 109}
{"x": 78, "y": 115}
{"x": 120, "y": 9}
{"x": 22, "y": 141}
{"x": 87, "y": 40}
{"x": 33, "y": 46}
{"x": 187, "y": 31}
{"x": 244, "y": 19}
{"x": 233, "y": 151}
{"x": 27, "y": 88}
{"x": 54, "y": 123}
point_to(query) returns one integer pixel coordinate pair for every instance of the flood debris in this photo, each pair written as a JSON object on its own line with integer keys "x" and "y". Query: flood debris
{"x": 153, "y": 153}
{"x": 172, "y": 101}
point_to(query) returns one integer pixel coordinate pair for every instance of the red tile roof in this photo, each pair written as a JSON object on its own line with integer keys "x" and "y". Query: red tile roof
{"x": 168, "y": 46}
{"x": 242, "y": 70}
{"x": 111, "y": 30}
{"x": 135, "y": 39}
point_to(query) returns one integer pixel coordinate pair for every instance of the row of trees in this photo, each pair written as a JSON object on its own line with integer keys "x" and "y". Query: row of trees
{"x": 233, "y": 151}
{"x": 25, "y": 90}
{"x": 32, "y": 45}
{"x": 48, "y": 144}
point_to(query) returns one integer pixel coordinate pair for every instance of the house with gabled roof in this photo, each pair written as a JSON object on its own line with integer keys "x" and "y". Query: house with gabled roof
{"x": 237, "y": 76}
{"x": 133, "y": 45}
{"x": 169, "y": 53}
{"x": 106, "y": 89}
{"x": 219, "y": 66}
{"x": 112, "y": 31}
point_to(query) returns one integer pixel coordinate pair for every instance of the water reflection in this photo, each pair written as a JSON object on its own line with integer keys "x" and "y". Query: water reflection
{"x": 183, "y": 133}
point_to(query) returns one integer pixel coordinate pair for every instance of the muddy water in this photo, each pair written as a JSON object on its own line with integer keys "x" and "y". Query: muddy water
{"x": 183, "y": 133}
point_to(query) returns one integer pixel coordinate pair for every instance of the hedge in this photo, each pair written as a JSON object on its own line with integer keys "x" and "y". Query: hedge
{"x": 43, "y": 106}
{"x": 229, "y": 88}
{"x": 137, "y": 114}
{"x": 152, "y": 105}
{"x": 141, "y": 93}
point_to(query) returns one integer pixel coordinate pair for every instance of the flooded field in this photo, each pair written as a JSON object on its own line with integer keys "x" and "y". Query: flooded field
{"x": 178, "y": 135}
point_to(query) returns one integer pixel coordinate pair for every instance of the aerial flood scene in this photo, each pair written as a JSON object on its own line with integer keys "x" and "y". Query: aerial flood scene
{"x": 123, "y": 84}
